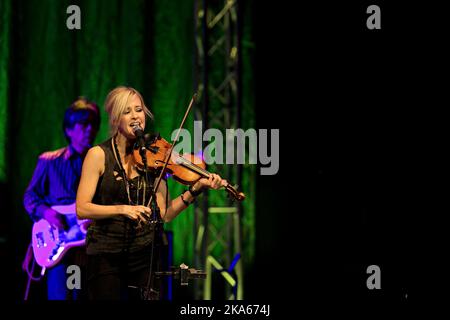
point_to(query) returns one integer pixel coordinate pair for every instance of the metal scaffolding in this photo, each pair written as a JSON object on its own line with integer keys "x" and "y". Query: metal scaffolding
{"x": 218, "y": 85}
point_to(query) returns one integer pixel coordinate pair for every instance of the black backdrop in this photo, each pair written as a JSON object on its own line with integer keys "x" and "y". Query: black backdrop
{"x": 361, "y": 113}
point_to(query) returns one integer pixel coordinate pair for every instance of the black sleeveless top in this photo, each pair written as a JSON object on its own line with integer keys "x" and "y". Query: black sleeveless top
{"x": 118, "y": 234}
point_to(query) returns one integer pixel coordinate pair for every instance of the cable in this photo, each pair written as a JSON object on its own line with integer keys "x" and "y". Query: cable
{"x": 26, "y": 267}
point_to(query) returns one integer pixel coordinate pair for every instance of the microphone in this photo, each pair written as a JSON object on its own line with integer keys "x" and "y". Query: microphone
{"x": 140, "y": 141}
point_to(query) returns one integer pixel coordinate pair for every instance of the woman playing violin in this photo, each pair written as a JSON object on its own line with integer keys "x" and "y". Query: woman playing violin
{"x": 113, "y": 193}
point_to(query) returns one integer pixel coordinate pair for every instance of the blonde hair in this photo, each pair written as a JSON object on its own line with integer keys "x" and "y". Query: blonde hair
{"x": 116, "y": 103}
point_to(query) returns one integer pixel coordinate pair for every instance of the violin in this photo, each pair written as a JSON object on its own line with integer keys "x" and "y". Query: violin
{"x": 184, "y": 168}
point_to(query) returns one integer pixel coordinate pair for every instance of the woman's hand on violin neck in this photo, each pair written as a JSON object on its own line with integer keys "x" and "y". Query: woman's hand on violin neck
{"x": 137, "y": 213}
{"x": 213, "y": 182}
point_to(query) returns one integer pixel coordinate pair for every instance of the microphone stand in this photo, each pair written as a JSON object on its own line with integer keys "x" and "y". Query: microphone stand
{"x": 157, "y": 222}
{"x": 156, "y": 217}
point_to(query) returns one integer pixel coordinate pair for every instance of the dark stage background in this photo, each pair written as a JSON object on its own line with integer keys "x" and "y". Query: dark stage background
{"x": 363, "y": 130}
{"x": 361, "y": 117}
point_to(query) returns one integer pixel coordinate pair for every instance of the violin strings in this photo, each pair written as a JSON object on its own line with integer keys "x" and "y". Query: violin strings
{"x": 194, "y": 167}
{"x": 202, "y": 172}
{"x": 191, "y": 165}
{"x": 186, "y": 163}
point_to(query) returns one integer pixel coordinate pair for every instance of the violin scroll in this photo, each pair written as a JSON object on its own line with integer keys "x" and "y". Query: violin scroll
{"x": 232, "y": 191}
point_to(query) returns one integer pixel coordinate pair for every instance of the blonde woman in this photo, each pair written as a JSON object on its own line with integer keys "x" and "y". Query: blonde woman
{"x": 112, "y": 193}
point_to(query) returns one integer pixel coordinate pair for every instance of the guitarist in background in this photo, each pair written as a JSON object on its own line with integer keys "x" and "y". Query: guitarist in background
{"x": 55, "y": 182}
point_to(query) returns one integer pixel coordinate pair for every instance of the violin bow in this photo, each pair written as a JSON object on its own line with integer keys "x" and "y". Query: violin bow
{"x": 169, "y": 154}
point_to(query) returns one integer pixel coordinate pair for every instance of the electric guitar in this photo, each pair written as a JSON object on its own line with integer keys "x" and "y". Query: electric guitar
{"x": 50, "y": 243}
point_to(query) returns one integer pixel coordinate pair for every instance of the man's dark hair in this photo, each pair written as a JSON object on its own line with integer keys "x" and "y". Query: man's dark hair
{"x": 81, "y": 111}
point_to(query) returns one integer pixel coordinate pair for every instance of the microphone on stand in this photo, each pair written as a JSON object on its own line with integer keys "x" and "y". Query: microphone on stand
{"x": 140, "y": 142}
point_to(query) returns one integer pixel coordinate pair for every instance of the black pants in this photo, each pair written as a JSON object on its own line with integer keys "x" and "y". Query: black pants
{"x": 121, "y": 276}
